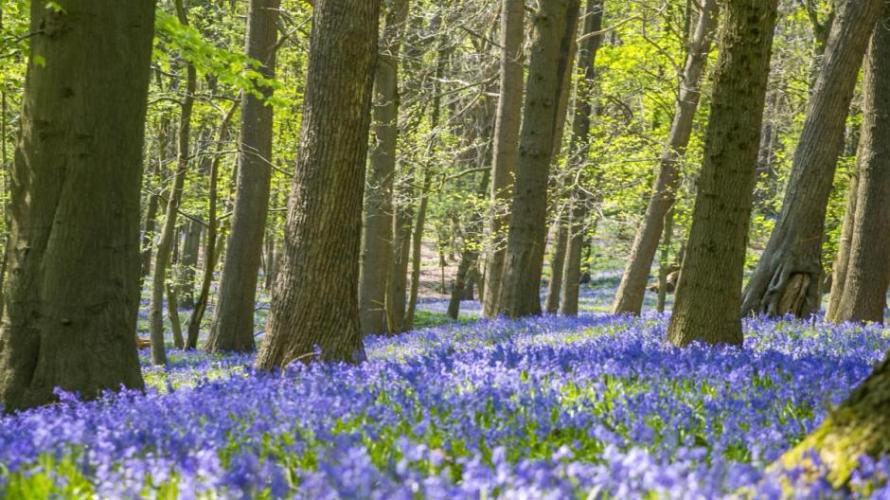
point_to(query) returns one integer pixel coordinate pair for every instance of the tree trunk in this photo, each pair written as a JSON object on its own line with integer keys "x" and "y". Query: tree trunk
{"x": 377, "y": 233}
{"x": 579, "y": 151}
{"x": 397, "y": 278}
{"x": 709, "y": 292}
{"x": 506, "y": 152}
{"x": 664, "y": 267}
{"x": 165, "y": 244}
{"x": 211, "y": 252}
{"x": 173, "y": 314}
{"x": 187, "y": 264}
{"x": 315, "y": 302}
{"x": 632, "y": 290}
{"x": 842, "y": 260}
{"x": 151, "y": 213}
{"x": 788, "y": 275}
{"x": 72, "y": 295}
{"x": 555, "y": 33}
{"x": 864, "y": 293}
{"x": 557, "y": 264}
{"x": 860, "y": 426}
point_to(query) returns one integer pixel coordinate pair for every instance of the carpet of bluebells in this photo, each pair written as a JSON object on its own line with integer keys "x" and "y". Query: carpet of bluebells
{"x": 594, "y": 407}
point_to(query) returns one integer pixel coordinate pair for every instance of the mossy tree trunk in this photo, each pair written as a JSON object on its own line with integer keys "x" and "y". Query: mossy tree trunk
{"x": 709, "y": 292}
{"x": 72, "y": 294}
{"x": 315, "y": 300}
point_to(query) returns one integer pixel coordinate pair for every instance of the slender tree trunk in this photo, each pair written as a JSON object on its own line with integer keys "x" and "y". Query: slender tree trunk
{"x": 632, "y": 290}
{"x": 151, "y": 213}
{"x": 709, "y": 292}
{"x": 789, "y": 273}
{"x": 557, "y": 264}
{"x": 315, "y": 302}
{"x": 233, "y": 324}
{"x": 211, "y": 250}
{"x": 839, "y": 275}
{"x": 165, "y": 244}
{"x": 187, "y": 263}
{"x": 555, "y": 33}
{"x": 73, "y": 294}
{"x": 864, "y": 294}
{"x": 397, "y": 279}
{"x": 579, "y": 151}
{"x": 377, "y": 233}
{"x": 664, "y": 267}
{"x": 173, "y": 314}
{"x": 506, "y": 151}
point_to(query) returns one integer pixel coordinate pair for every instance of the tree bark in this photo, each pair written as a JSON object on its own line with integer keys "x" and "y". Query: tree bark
{"x": 709, "y": 291}
{"x": 506, "y": 151}
{"x": 842, "y": 260}
{"x": 555, "y": 32}
{"x": 233, "y": 324}
{"x": 864, "y": 293}
{"x": 397, "y": 279}
{"x": 789, "y": 273}
{"x": 665, "y": 262}
{"x": 187, "y": 263}
{"x": 632, "y": 290}
{"x": 557, "y": 265}
{"x": 315, "y": 300}
{"x": 72, "y": 295}
{"x": 579, "y": 151}
{"x": 377, "y": 232}
{"x": 860, "y": 426}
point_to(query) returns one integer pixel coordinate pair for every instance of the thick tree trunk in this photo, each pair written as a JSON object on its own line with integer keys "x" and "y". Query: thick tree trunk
{"x": 709, "y": 292}
{"x": 211, "y": 250}
{"x": 632, "y": 290}
{"x": 314, "y": 310}
{"x": 860, "y": 426}
{"x": 789, "y": 273}
{"x": 579, "y": 150}
{"x": 377, "y": 232}
{"x": 72, "y": 295}
{"x": 864, "y": 293}
{"x": 233, "y": 324}
{"x": 165, "y": 243}
{"x": 557, "y": 265}
{"x": 555, "y": 33}
{"x": 506, "y": 151}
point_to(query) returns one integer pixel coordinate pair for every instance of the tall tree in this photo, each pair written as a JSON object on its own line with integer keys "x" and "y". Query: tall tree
{"x": 506, "y": 146}
{"x": 554, "y": 37}
{"x": 168, "y": 230}
{"x": 579, "y": 150}
{"x": 863, "y": 290}
{"x": 73, "y": 297}
{"x": 709, "y": 292}
{"x": 377, "y": 230}
{"x": 233, "y": 324}
{"x": 631, "y": 291}
{"x": 788, "y": 275}
{"x": 315, "y": 300}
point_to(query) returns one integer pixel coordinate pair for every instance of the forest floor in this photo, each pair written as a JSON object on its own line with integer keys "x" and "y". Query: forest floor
{"x": 549, "y": 407}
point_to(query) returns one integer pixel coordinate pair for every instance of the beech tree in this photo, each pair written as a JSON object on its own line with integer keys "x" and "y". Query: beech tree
{"x": 709, "y": 291}
{"x": 555, "y": 33}
{"x": 315, "y": 299}
{"x": 233, "y": 324}
{"x": 631, "y": 291}
{"x": 788, "y": 276}
{"x": 72, "y": 296}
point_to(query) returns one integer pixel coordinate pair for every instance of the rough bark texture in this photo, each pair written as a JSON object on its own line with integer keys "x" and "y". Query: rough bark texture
{"x": 860, "y": 426}
{"x": 864, "y": 293}
{"x": 506, "y": 150}
{"x": 789, "y": 273}
{"x": 579, "y": 150}
{"x": 315, "y": 300}
{"x": 377, "y": 230}
{"x": 72, "y": 294}
{"x": 709, "y": 292}
{"x": 233, "y": 324}
{"x": 555, "y": 31}
{"x": 631, "y": 291}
